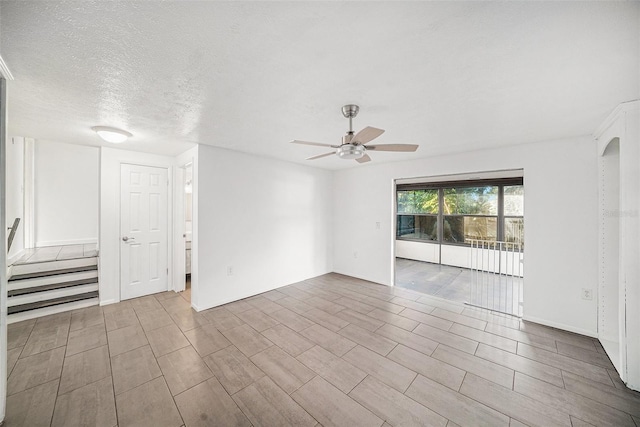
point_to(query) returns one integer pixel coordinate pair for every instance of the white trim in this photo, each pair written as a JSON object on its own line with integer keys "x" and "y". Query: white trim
{"x": 562, "y": 326}
{"x": 494, "y": 174}
{"x": 32, "y": 314}
{"x": 234, "y": 299}
{"x": 613, "y": 116}
{"x": 66, "y": 242}
{"x": 4, "y": 70}
{"x": 37, "y": 267}
{"x": 3, "y": 250}
{"x": 191, "y": 157}
{"x": 50, "y": 280}
{"x": 179, "y": 246}
{"x": 52, "y": 294}
{"x": 108, "y": 302}
{"x": 29, "y": 226}
{"x": 111, "y": 160}
{"x": 361, "y": 278}
{"x": 14, "y": 258}
{"x": 394, "y": 225}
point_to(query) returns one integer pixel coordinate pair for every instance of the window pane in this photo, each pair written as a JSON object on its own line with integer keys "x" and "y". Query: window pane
{"x": 460, "y": 229}
{"x": 514, "y": 200}
{"x": 471, "y": 200}
{"x": 418, "y": 201}
{"x": 417, "y": 227}
{"x": 514, "y": 230}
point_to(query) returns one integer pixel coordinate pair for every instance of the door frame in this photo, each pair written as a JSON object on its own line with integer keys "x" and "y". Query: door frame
{"x": 179, "y": 264}
{"x": 109, "y": 216}
{"x": 3, "y": 248}
{"x": 179, "y": 247}
{"x": 170, "y": 195}
{"x": 187, "y": 158}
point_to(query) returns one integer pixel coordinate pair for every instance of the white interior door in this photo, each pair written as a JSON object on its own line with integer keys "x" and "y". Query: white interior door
{"x": 143, "y": 230}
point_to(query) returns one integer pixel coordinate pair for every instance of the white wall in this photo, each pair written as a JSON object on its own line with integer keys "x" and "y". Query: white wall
{"x": 560, "y": 179}
{"x": 269, "y": 220}
{"x": 419, "y": 251}
{"x": 66, "y": 193}
{"x": 14, "y": 192}
{"x": 109, "y": 234}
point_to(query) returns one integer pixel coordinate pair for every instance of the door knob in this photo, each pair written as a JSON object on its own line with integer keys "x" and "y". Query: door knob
{"x": 126, "y": 239}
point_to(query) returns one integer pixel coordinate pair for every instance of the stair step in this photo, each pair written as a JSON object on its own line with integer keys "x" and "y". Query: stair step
{"x": 48, "y": 273}
{"x": 51, "y": 287}
{"x": 36, "y": 282}
{"x": 52, "y": 302}
{"x": 40, "y": 268}
{"x": 52, "y": 309}
{"x": 50, "y": 295}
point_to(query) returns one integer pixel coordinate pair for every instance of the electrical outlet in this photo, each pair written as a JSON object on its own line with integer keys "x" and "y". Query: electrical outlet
{"x": 355, "y": 254}
{"x": 230, "y": 270}
{"x": 587, "y": 294}
{"x": 378, "y": 225}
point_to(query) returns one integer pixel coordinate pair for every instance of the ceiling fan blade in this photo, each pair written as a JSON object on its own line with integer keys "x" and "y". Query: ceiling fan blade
{"x": 367, "y": 134}
{"x": 393, "y": 147}
{"x": 319, "y": 144}
{"x": 364, "y": 159}
{"x": 319, "y": 156}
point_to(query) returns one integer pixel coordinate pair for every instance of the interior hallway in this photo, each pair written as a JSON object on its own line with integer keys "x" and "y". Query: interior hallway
{"x": 332, "y": 350}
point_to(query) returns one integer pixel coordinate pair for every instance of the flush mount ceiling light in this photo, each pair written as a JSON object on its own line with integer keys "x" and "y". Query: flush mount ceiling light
{"x": 113, "y": 135}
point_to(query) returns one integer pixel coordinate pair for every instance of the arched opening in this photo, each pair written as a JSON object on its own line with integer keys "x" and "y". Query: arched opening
{"x": 609, "y": 287}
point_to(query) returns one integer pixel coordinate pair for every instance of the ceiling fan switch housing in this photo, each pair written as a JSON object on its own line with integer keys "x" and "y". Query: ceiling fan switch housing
{"x": 347, "y": 138}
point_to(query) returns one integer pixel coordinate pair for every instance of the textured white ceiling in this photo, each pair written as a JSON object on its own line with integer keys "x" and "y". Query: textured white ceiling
{"x": 251, "y": 76}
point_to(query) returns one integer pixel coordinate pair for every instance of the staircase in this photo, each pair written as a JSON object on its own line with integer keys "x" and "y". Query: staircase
{"x": 37, "y": 289}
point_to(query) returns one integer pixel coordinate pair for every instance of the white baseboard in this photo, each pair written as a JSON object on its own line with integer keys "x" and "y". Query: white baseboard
{"x": 66, "y": 242}
{"x": 361, "y": 278}
{"x": 108, "y": 302}
{"x": 562, "y": 326}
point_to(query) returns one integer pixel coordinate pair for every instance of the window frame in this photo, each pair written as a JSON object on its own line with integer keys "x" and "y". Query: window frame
{"x": 441, "y": 186}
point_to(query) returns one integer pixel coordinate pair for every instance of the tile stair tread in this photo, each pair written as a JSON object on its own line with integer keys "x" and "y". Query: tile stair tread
{"x": 52, "y": 272}
{"x": 51, "y": 302}
{"x": 52, "y": 286}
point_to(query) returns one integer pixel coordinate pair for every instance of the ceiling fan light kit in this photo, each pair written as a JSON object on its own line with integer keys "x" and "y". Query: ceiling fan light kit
{"x": 351, "y": 152}
{"x": 353, "y": 147}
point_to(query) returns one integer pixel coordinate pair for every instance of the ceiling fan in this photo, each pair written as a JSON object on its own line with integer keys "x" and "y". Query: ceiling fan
{"x": 354, "y": 146}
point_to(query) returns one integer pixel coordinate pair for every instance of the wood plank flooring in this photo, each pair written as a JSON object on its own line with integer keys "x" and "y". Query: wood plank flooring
{"x": 329, "y": 351}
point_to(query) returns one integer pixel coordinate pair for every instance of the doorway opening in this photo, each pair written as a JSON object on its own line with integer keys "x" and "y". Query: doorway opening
{"x": 461, "y": 238}
{"x": 144, "y": 260}
{"x": 609, "y": 316}
{"x": 188, "y": 227}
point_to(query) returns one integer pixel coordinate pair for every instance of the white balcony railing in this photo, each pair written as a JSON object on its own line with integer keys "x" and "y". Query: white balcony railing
{"x": 497, "y": 276}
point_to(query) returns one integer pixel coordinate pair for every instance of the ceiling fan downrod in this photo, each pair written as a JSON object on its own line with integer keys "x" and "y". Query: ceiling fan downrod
{"x": 349, "y": 111}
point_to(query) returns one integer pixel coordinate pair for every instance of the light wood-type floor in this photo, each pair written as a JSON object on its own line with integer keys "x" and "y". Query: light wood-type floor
{"x": 332, "y": 350}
